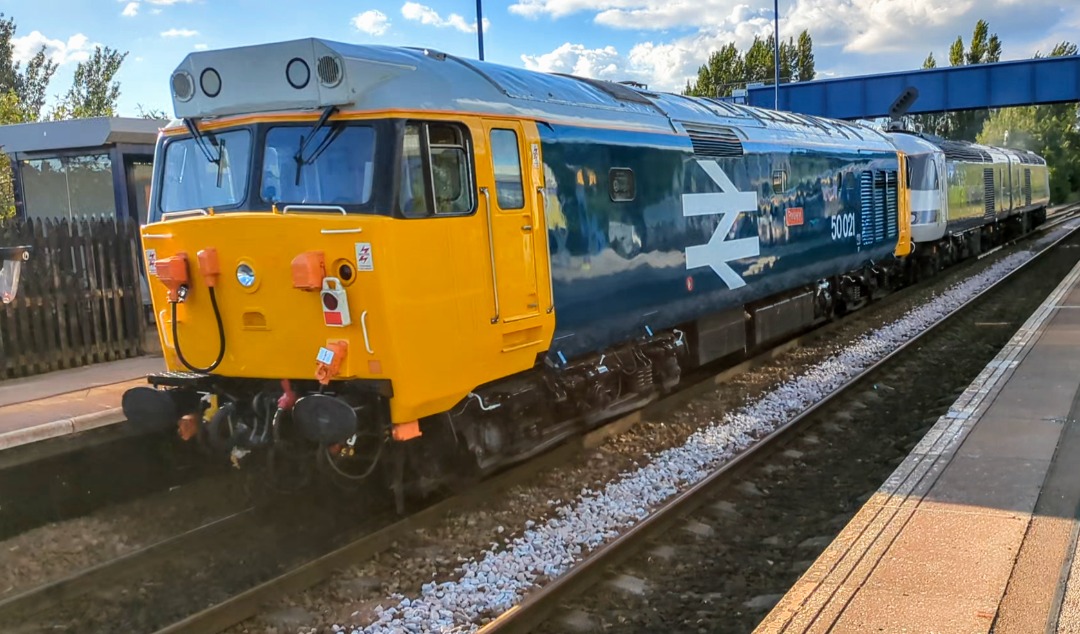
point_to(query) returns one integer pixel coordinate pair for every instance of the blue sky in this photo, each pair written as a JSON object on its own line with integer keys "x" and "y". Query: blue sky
{"x": 659, "y": 42}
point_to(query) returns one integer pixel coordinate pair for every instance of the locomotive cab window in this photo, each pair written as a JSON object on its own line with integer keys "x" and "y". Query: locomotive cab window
{"x": 208, "y": 172}
{"x": 336, "y": 167}
{"x": 507, "y": 161}
{"x": 436, "y": 173}
{"x": 621, "y": 185}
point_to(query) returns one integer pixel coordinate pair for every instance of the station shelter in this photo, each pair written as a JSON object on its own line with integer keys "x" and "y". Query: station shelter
{"x": 82, "y": 167}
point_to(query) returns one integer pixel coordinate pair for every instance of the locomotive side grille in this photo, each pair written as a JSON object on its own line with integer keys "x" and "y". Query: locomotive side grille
{"x": 878, "y": 191}
{"x": 866, "y": 213}
{"x": 880, "y": 206}
{"x": 989, "y": 195}
{"x": 890, "y": 204}
{"x": 714, "y": 141}
{"x": 1027, "y": 186}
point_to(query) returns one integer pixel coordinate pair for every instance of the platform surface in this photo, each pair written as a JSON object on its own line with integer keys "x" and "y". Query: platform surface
{"x": 976, "y": 530}
{"x": 62, "y": 403}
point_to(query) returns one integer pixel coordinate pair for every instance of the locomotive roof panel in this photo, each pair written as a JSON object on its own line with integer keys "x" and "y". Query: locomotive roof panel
{"x": 312, "y": 74}
{"x": 913, "y": 144}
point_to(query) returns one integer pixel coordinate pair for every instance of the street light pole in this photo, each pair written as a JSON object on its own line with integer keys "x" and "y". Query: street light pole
{"x": 776, "y": 53}
{"x": 480, "y": 28}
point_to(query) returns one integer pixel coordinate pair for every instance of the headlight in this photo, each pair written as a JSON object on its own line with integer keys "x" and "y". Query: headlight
{"x": 245, "y": 275}
{"x": 926, "y": 217}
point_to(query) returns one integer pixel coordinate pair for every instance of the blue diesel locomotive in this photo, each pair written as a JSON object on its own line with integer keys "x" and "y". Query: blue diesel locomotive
{"x": 443, "y": 264}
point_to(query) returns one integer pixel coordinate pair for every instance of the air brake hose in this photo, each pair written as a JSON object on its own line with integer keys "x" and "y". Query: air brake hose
{"x": 221, "y": 337}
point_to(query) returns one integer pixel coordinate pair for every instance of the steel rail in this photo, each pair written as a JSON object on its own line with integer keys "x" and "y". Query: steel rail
{"x": 536, "y": 607}
{"x": 46, "y": 595}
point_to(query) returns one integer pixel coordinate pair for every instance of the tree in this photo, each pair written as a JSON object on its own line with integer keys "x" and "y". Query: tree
{"x": 34, "y": 83}
{"x": 28, "y": 85}
{"x": 151, "y": 113}
{"x": 728, "y": 69}
{"x": 716, "y": 78}
{"x": 804, "y": 58}
{"x": 94, "y": 92}
{"x": 983, "y": 48}
{"x": 956, "y": 52}
{"x": 1050, "y": 131}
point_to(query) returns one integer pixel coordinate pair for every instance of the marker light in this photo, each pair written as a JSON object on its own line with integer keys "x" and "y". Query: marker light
{"x": 245, "y": 275}
{"x": 210, "y": 82}
{"x": 297, "y": 73}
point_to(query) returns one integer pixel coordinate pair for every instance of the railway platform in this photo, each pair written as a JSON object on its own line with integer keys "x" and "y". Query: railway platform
{"x": 62, "y": 403}
{"x": 976, "y": 531}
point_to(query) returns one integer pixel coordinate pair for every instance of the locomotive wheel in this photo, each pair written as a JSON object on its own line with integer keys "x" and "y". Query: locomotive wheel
{"x": 219, "y": 432}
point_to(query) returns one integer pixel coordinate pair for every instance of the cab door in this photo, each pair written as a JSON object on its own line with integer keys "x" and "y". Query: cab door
{"x": 507, "y": 198}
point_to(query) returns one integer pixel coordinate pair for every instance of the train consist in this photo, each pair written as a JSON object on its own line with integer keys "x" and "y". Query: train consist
{"x": 397, "y": 263}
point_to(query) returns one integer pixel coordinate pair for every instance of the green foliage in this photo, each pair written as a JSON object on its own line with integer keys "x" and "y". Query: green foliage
{"x": 28, "y": 84}
{"x": 1053, "y": 132}
{"x": 151, "y": 113}
{"x": 804, "y": 58}
{"x": 728, "y": 69}
{"x": 983, "y": 48}
{"x": 94, "y": 92}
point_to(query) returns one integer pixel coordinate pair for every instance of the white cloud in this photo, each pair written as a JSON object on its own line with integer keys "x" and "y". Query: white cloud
{"x": 179, "y": 33}
{"x": 426, "y": 15}
{"x": 131, "y": 7}
{"x": 201, "y": 47}
{"x": 576, "y": 59}
{"x": 372, "y": 22}
{"x": 560, "y": 8}
{"x": 77, "y": 48}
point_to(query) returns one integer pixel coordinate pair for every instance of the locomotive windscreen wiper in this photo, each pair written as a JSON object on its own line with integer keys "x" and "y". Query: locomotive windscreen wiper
{"x": 201, "y": 138}
{"x": 304, "y": 140}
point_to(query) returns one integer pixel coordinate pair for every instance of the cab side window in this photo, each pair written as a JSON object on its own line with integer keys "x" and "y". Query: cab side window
{"x": 414, "y": 196}
{"x": 436, "y": 170}
{"x": 507, "y": 162}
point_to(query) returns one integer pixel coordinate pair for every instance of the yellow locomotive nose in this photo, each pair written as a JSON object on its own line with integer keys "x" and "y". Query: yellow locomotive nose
{"x": 281, "y": 306}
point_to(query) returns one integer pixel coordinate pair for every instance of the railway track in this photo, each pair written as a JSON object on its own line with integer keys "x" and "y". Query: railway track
{"x": 576, "y": 586}
{"x": 96, "y": 598}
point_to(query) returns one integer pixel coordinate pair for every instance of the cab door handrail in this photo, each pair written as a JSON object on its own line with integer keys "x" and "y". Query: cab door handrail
{"x": 491, "y": 252}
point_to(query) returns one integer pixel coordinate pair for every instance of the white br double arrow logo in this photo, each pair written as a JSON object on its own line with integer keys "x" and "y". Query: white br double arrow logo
{"x": 718, "y": 252}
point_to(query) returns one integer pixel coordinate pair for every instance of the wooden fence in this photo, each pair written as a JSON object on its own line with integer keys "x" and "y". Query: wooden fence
{"x": 80, "y": 296}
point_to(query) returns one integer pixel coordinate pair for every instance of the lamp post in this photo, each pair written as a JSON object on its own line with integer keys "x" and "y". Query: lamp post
{"x": 776, "y": 53}
{"x": 480, "y": 28}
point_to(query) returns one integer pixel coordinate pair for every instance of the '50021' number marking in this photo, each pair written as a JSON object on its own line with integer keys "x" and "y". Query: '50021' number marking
{"x": 843, "y": 226}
